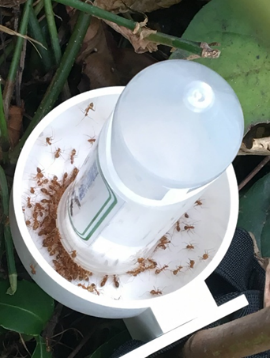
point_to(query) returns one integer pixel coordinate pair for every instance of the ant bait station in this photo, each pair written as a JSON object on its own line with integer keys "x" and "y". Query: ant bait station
{"x": 86, "y": 218}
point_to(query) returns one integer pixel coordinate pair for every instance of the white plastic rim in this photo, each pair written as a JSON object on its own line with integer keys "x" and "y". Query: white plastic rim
{"x": 63, "y": 290}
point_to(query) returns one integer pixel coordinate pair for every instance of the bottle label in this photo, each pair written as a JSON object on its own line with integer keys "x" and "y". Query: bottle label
{"x": 92, "y": 203}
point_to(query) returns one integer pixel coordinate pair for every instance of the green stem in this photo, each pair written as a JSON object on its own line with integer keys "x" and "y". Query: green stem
{"x": 58, "y": 80}
{"x": 177, "y": 42}
{"x": 53, "y": 31}
{"x": 97, "y": 12}
{"x": 55, "y": 42}
{"x": 39, "y": 7}
{"x": 37, "y": 34}
{"x": 7, "y": 52}
{"x": 4, "y": 140}
{"x": 12, "y": 273}
{"x": 159, "y": 38}
{"x": 9, "y": 86}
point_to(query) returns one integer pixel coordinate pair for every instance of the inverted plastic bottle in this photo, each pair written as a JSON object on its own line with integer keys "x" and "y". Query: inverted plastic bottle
{"x": 176, "y": 127}
{"x": 178, "y": 124}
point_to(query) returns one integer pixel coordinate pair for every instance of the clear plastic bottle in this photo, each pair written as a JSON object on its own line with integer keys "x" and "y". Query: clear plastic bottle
{"x": 176, "y": 127}
{"x": 177, "y": 124}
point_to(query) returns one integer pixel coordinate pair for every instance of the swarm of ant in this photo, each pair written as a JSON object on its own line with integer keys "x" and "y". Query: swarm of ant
{"x": 43, "y": 221}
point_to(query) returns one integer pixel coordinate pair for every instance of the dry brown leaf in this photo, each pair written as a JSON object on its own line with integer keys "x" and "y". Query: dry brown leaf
{"x": 255, "y": 246}
{"x": 96, "y": 57}
{"x": 14, "y": 33}
{"x": 128, "y": 63}
{"x": 119, "y": 6}
{"x": 260, "y": 146}
{"x": 15, "y": 124}
{"x": 137, "y": 39}
{"x": 104, "y": 63}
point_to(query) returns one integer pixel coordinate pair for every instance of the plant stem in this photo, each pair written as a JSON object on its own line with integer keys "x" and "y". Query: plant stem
{"x": 55, "y": 41}
{"x": 37, "y": 34}
{"x": 7, "y": 52}
{"x": 158, "y": 37}
{"x": 58, "y": 80}
{"x": 172, "y": 41}
{"x": 9, "y": 86}
{"x": 39, "y": 7}
{"x": 53, "y": 31}
{"x": 97, "y": 12}
{"x": 4, "y": 140}
{"x": 12, "y": 273}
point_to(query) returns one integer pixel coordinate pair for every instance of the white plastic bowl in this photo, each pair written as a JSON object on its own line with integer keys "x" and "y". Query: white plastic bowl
{"x": 186, "y": 295}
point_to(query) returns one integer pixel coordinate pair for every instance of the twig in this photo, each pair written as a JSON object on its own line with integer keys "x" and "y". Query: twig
{"x": 58, "y": 80}
{"x": 37, "y": 34}
{"x": 50, "y": 327}
{"x": 8, "y": 91}
{"x": 240, "y": 338}
{"x": 196, "y": 48}
{"x": 12, "y": 273}
{"x": 83, "y": 341}
{"x": 254, "y": 172}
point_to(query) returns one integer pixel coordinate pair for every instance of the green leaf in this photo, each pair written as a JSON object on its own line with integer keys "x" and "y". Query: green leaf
{"x": 27, "y": 311}
{"x": 254, "y": 213}
{"x": 41, "y": 349}
{"x": 107, "y": 349}
{"x": 243, "y": 62}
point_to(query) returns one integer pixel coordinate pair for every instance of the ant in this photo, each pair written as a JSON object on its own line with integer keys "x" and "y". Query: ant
{"x": 91, "y": 140}
{"x": 49, "y": 140}
{"x": 27, "y": 222}
{"x": 178, "y": 269}
{"x": 64, "y": 178}
{"x": 152, "y": 265}
{"x": 162, "y": 243}
{"x": 92, "y": 288}
{"x": 72, "y": 155}
{"x": 189, "y": 228}
{"x": 104, "y": 280}
{"x": 177, "y": 225}
{"x": 73, "y": 254}
{"x": 190, "y": 247}
{"x": 33, "y": 270}
{"x": 156, "y": 292}
{"x": 88, "y": 108}
{"x": 32, "y": 190}
{"x": 39, "y": 174}
{"x": 191, "y": 264}
{"x": 36, "y": 224}
{"x": 186, "y": 215}
{"x": 57, "y": 153}
{"x": 198, "y": 202}
{"x": 116, "y": 281}
{"x": 205, "y": 256}
{"x": 161, "y": 269}
{"x": 29, "y": 205}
